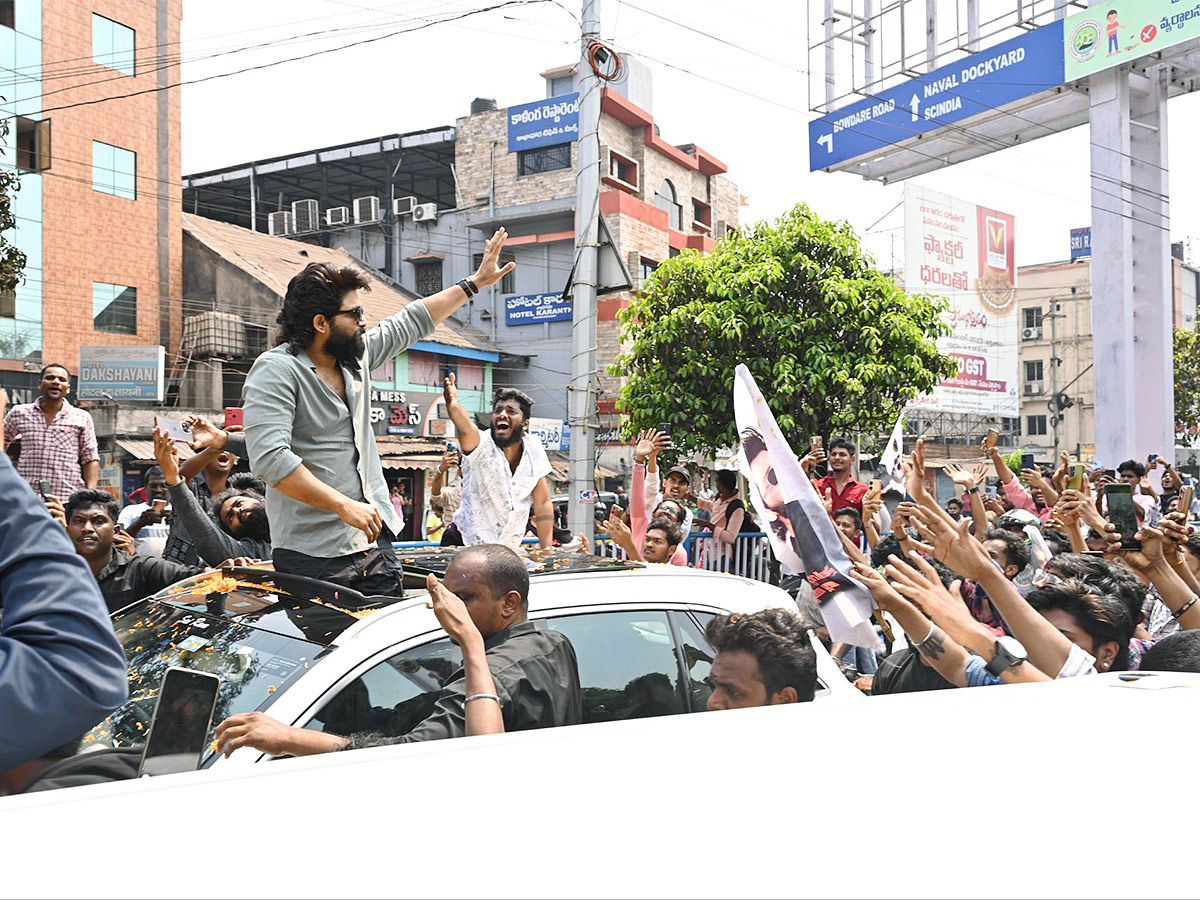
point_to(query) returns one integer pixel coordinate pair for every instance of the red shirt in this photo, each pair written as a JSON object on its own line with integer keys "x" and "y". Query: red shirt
{"x": 851, "y": 497}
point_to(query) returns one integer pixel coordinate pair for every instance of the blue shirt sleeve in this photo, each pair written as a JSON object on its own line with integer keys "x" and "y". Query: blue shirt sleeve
{"x": 62, "y": 668}
{"x": 978, "y": 675}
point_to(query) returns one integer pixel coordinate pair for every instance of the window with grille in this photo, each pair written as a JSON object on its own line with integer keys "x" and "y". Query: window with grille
{"x": 429, "y": 278}
{"x": 544, "y": 159}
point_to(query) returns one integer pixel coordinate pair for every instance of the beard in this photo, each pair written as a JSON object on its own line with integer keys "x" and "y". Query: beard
{"x": 256, "y": 526}
{"x": 507, "y": 440}
{"x": 347, "y": 349}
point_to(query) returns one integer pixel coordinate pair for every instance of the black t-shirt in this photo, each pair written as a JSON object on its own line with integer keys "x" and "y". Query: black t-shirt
{"x": 904, "y": 673}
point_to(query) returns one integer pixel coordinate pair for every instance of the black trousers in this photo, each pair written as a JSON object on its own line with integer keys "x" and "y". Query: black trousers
{"x": 375, "y": 572}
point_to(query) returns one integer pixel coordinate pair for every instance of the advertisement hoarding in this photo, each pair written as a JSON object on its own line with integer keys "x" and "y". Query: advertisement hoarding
{"x": 1081, "y": 242}
{"x": 553, "y": 433}
{"x": 965, "y": 253}
{"x": 121, "y": 373}
{"x": 543, "y": 123}
{"x": 1118, "y": 31}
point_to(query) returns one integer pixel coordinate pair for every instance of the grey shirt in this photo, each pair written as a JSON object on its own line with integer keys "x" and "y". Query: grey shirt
{"x": 292, "y": 417}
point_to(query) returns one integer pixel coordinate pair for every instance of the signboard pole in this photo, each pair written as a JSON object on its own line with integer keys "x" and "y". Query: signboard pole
{"x": 581, "y": 396}
{"x": 1131, "y": 278}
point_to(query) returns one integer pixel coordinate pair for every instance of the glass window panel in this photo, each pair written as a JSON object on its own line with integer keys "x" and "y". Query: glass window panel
{"x": 114, "y": 308}
{"x": 114, "y": 170}
{"x": 112, "y": 44}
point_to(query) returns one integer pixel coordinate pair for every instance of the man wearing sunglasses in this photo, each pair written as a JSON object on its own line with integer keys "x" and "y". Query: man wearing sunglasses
{"x": 308, "y": 421}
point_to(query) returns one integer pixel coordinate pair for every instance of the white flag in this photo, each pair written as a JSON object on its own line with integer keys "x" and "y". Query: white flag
{"x": 889, "y": 471}
{"x": 794, "y": 518}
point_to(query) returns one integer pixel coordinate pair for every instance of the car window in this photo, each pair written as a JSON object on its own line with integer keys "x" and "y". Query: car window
{"x": 393, "y": 696}
{"x": 697, "y": 656}
{"x": 627, "y": 664}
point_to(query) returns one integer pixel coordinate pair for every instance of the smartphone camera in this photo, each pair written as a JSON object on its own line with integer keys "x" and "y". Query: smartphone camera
{"x": 44, "y": 488}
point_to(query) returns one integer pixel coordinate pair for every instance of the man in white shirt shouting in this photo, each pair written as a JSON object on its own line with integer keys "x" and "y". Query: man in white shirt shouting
{"x": 504, "y": 469}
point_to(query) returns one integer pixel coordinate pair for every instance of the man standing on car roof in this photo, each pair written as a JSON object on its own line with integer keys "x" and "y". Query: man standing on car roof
{"x": 535, "y": 670}
{"x": 308, "y": 422}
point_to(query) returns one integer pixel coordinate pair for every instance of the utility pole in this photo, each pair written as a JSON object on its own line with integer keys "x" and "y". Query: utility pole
{"x": 581, "y": 394}
{"x": 1057, "y": 411}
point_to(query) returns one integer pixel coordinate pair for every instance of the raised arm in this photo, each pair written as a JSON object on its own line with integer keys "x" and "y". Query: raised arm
{"x": 482, "y": 704}
{"x": 543, "y": 514}
{"x": 468, "y": 433}
{"x": 445, "y": 303}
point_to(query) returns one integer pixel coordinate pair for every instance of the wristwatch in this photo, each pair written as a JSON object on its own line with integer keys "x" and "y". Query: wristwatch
{"x": 974, "y": 490}
{"x": 1009, "y": 654}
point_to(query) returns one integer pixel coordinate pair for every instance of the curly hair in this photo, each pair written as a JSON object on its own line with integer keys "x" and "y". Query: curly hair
{"x": 778, "y": 639}
{"x": 1016, "y": 549}
{"x": 1110, "y": 579}
{"x": 317, "y": 291}
{"x": 672, "y": 532}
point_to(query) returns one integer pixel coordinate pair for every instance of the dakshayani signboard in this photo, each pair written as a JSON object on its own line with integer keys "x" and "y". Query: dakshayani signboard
{"x": 121, "y": 373}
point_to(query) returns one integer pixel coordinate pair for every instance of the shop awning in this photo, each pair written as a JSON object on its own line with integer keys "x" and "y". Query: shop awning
{"x": 143, "y": 450}
{"x": 562, "y": 471}
{"x": 417, "y": 461}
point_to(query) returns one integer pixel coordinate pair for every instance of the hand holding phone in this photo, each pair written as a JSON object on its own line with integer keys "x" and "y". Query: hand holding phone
{"x": 1075, "y": 482}
{"x": 1122, "y": 512}
{"x": 44, "y": 489}
{"x": 175, "y": 429}
{"x": 990, "y": 439}
{"x": 183, "y": 715}
{"x": 234, "y": 417}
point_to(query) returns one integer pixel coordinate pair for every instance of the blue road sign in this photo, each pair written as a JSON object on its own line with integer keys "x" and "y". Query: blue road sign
{"x": 1081, "y": 242}
{"x": 1017, "y": 68}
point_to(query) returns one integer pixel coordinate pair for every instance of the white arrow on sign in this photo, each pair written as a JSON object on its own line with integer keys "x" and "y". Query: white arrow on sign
{"x": 827, "y": 140}
{"x": 915, "y": 105}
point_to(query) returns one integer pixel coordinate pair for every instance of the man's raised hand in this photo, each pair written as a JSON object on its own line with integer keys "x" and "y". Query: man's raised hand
{"x": 489, "y": 272}
{"x": 450, "y": 389}
{"x": 206, "y": 435}
{"x": 451, "y": 612}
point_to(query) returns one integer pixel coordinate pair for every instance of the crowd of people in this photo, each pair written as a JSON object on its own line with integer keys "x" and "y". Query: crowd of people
{"x": 1062, "y": 573}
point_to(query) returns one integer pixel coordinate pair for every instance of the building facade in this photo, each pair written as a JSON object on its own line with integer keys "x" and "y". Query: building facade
{"x": 419, "y": 207}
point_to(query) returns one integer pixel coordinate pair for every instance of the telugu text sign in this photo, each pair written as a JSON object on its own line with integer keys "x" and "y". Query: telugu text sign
{"x": 1015, "y": 69}
{"x": 121, "y": 373}
{"x": 530, "y": 309}
{"x": 543, "y": 123}
{"x": 1119, "y": 31}
{"x": 965, "y": 253}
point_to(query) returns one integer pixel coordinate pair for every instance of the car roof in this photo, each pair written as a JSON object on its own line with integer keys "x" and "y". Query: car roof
{"x": 222, "y": 593}
{"x": 739, "y": 781}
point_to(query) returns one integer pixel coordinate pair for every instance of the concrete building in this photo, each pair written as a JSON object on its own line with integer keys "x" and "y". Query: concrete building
{"x": 1056, "y": 324}
{"x": 98, "y": 212}
{"x": 419, "y": 206}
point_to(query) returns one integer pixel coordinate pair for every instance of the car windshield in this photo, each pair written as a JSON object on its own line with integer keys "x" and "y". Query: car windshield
{"x": 255, "y": 665}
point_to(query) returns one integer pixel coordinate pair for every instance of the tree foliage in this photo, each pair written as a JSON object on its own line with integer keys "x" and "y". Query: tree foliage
{"x": 834, "y": 345}
{"x": 1187, "y": 382}
{"x": 12, "y": 259}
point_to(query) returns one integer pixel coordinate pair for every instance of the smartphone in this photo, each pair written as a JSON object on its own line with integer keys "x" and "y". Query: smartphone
{"x": 876, "y": 486}
{"x": 1075, "y": 482}
{"x": 664, "y": 427}
{"x": 159, "y": 505}
{"x": 1123, "y": 513}
{"x": 175, "y": 429}
{"x": 1110, "y": 473}
{"x": 1185, "y": 500}
{"x": 993, "y": 435}
{"x": 44, "y": 488}
{"x": 816, "y": 442}
{"x": 1153, "y": 457}
{"x": 233, "y": 417}
{"x": 1027, "y": 461}
{"x": 182, "y": 717}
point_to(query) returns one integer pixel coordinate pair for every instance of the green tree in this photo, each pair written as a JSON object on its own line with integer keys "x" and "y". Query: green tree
{"x": 1187, "y": 381}
{"x": 834, "y": 345}
{"x": 12, "y": 259}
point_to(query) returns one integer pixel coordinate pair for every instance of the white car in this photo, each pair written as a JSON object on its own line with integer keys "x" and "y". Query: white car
{"x": 314, "y": 655}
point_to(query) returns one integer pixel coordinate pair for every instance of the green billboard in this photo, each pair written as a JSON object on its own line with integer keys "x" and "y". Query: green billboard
{"x": 1120, "y": 31}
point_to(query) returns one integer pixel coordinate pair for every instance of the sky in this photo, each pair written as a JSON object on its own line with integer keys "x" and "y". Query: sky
{"x": 732, "y": 77}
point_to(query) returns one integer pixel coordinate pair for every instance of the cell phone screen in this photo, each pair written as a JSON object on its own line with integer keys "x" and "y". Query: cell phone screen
{"x": 182, "y": 716}
{"x": 1123, "y": 513}
{"x": 175, "y": 429}
{"x": 1026, "y": 460}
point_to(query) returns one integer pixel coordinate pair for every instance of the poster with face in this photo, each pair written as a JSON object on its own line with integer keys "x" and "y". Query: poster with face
{"x": 801, "y": 533}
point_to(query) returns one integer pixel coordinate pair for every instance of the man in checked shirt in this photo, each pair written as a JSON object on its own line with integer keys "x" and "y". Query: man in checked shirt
{"x": 58, "y": 440}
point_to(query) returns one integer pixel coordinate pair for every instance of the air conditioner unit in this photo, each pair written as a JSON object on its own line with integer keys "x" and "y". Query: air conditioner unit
{"x": 366, "y": 210}
{"x": 306, "y": 216}
{"x": 279, "y": 223}
{"x": 403, "y": 206}
{"x": 1030, "y": 334}
{"x": 1033, "y": 387}
{"x": 338, "y": 215}
{"x": 425, "y": 212}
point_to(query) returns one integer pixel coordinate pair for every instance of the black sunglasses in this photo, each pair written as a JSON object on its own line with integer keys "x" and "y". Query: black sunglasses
{"x": 359, "y": 312}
